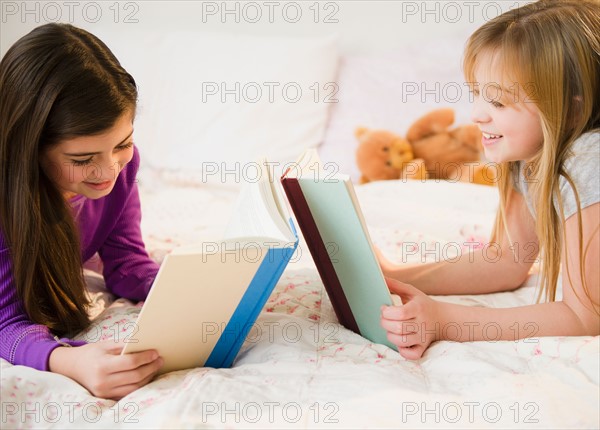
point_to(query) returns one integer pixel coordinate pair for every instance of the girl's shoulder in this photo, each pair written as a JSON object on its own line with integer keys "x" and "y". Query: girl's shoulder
{"x": 583, "y": 159}
{"x": 582, "y": 167}
{"x": 134, "y": 165}
{"x": 128, "y": 177}
{"x": 588, "y": 143}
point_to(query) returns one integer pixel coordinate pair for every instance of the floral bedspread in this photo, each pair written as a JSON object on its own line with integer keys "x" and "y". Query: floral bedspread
{"x": 299, "y": 368}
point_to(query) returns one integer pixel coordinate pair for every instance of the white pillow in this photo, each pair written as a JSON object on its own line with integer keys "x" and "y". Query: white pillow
{"x": 214, "y": 102}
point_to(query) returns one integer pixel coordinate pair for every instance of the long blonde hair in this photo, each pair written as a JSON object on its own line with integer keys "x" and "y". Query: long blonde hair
{"x": 552, "y": 50}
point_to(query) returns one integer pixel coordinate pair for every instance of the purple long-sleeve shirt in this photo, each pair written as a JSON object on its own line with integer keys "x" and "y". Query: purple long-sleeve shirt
{"x": 109, "y": 226}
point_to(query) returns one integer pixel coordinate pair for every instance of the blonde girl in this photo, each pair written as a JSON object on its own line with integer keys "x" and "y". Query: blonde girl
{"x": 535, "y": 77}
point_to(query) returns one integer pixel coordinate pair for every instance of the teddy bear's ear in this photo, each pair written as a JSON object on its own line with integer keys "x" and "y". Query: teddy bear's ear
{"x": 360, "y": 131}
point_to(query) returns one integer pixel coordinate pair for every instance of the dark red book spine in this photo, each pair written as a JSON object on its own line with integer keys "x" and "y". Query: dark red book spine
{"x": 319, "y": 253}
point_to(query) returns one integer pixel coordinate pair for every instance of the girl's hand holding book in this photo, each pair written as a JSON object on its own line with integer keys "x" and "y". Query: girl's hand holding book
{"x": 102, "y": 371}
{"x": 413, "y": 326}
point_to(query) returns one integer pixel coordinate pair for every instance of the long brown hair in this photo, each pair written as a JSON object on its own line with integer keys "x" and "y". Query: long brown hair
{"x": 552, "y": 50}
{"x": 57, "y": 82}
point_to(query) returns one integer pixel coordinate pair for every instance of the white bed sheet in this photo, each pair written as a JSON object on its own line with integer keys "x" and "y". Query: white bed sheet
{"x": 300, "y": 368}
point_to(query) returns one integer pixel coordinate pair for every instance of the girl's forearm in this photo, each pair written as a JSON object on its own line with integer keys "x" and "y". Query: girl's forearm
{"x": 470, "y": 323}
{"x": 478, "y": 272}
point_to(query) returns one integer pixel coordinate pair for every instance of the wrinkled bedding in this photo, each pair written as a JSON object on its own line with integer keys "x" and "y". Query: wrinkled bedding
{"x": 300, "y": 368}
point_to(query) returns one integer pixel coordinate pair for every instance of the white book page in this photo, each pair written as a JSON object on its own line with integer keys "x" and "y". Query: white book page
{"x": 258, "y": 213}
{"x": 310, "y": 167}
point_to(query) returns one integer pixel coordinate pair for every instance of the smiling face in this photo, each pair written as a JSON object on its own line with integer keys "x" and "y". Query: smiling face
{"x": 506, "y": 115}
{"x": 90, "y": 165}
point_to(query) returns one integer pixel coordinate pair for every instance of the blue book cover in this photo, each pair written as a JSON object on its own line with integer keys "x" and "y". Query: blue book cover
{"x": 250, "y": 306}
{"x": 206, "y": 298}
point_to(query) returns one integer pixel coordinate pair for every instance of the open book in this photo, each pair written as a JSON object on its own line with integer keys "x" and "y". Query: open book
{"x": 206, "y": 298}
{"x": 329, "y": 216}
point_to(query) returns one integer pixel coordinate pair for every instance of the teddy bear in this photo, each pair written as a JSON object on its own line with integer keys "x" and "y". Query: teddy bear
{"x": 444, "y": 150}
{"x": 382, "y": 154}
{"x": 431, "y": 150}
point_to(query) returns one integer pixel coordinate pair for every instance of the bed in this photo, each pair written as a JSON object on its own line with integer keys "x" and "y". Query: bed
{"x": 299, "y": 367}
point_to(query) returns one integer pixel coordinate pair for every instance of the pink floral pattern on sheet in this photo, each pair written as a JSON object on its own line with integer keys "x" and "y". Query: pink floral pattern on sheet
{"x": 325, "y": 351}
{"x": 117, "y": 323}
{"x": 297, "y": 294}
{"x": 474, "y": 237}
{"x": 159, "y": 247}
{"x": 300, "y": 293}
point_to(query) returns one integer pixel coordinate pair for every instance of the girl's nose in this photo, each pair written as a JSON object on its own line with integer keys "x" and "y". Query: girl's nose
{"x": 114, "y": 169}
{"x": 479, "y": 112}
{"x": 104, "y": 171}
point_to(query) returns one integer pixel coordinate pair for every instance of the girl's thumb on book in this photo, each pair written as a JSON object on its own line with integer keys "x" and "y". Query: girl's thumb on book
{"x": 398, "y": 287}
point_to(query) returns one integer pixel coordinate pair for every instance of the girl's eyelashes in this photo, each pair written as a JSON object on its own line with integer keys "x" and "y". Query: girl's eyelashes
{"x": 89, "y": 160}
{"x": 125, "y": 146}
{"x": 494, "y": 103}
{"x": 82, "y": 162}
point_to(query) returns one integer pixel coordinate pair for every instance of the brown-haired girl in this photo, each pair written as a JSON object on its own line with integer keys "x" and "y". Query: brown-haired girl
{"x": 68, "y": 191}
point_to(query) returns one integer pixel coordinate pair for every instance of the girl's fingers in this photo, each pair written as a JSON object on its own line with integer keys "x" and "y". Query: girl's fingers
{"x": 405, "y": 291}
{"x": 412, "y": 353}
{"x": 405, "y": 340}
{"x": 400, "y": 313}
{"x": 135, "y": 377}
{"x": 123, "y": 363}
{"x": 111, "y": 346}
{"x": 118, "y": 393}
{"x": 135, "y": 386}
{"x": 400, "y": 327}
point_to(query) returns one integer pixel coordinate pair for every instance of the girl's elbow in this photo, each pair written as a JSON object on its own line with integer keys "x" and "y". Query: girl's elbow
{"x": 522, "y": 278}
{"x": 591, "y": 328}
{"x": 517, "y": 275}
{"x": 587, "y": 320}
